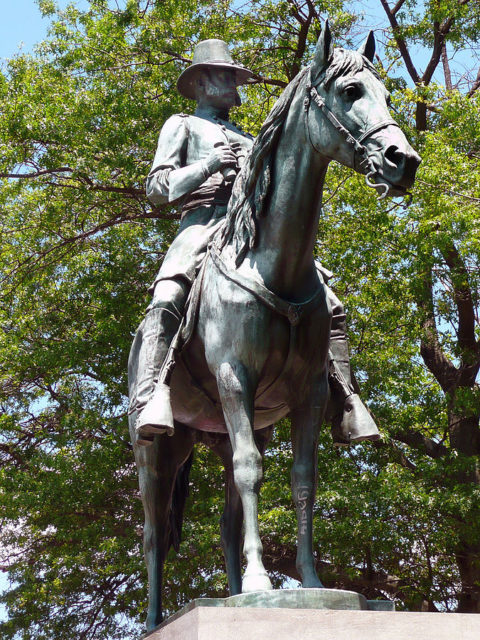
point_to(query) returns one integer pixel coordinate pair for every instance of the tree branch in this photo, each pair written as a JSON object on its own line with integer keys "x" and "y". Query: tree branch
{"x": 397, "y": 7}
{"x": 261, "y": 79}
{"x": 475, "y": 85}
{"x": 450, "y": 192}
{"x": 36, "y": 174}
{"x": 440, "y": 33}
{"x": 402, "y": 45}
{"x": 34, "y": 258}
{"x": 417, "y": 440}
{"x": 91, "y": 185}
{"x": 397, "y": 455}
{"x": 462, "y": 295}
{"x": 302, "y": 37}
{"x": 446, "y": 69}
{"x": 441, "y": 367}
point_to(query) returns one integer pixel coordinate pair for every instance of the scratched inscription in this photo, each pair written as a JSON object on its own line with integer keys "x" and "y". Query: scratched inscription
{"x": 302, "y": 497}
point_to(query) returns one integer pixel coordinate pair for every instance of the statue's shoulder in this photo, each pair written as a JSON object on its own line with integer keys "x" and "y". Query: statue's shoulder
{"x": 178, "y": 119}
{"x": 175, "y": 126}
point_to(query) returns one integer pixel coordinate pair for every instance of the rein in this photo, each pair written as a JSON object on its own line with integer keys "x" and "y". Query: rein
{"x": 361, "y": 159}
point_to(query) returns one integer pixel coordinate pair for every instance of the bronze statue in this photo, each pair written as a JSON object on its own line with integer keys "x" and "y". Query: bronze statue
{"x": 254, "y": 343}
{"x": 196, "y": 162}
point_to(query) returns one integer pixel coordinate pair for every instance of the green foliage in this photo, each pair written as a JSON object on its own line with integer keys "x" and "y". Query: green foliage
{"x": 80, "y": 246}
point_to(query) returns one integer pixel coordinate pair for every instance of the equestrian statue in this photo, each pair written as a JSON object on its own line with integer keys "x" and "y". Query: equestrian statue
{"x": 242, "y": 329}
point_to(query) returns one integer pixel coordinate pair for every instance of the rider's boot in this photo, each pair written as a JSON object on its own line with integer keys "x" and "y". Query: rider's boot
{"x": 154, "y": 410}
{"x": 351, "y": 422}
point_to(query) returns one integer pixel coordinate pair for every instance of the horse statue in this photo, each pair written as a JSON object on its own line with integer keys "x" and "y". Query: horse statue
{"x": 259, "y": 318}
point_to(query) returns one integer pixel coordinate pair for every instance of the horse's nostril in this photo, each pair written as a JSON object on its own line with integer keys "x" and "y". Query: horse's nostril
{"x": 394, "y": 155}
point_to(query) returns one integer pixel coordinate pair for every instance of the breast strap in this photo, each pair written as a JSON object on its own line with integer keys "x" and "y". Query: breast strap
{"x": 294, "y": 311}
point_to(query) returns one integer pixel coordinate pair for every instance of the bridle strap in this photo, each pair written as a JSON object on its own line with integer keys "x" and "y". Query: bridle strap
{"x": 388, "y": 122}
{"x": 360, "y": 152}
{"x": 312, "y": 94}
{"x": 351, "y": 140}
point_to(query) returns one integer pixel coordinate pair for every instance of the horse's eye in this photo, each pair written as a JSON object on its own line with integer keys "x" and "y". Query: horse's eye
{"x": 352, "y": 92}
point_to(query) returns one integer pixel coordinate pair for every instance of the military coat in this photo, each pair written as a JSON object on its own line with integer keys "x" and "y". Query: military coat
{"x": 184, "y": 144}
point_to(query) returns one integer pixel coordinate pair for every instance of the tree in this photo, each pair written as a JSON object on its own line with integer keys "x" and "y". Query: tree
{"x": 80, "y": 245}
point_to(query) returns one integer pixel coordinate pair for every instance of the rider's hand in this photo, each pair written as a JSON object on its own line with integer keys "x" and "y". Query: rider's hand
{"x": 220, "y": 158}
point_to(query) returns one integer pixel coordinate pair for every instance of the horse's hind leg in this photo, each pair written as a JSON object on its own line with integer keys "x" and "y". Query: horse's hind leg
{"x": 158, "y": 466}
{"x": 232, "y": 517}
{"x": 306, "y": 422}
{"x": 237, "y": 396}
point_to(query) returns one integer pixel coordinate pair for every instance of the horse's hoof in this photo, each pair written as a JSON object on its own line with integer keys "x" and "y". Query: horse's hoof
{"x": 153, "y": 620}
{"x": 256, "y": 582}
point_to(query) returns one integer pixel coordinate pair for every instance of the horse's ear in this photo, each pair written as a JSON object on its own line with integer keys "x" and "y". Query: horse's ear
{"x": 323, "y": 52}
{"x": 368, "y": 47}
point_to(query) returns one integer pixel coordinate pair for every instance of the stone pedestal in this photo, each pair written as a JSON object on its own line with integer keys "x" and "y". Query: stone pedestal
{"x": 310, "y": 614}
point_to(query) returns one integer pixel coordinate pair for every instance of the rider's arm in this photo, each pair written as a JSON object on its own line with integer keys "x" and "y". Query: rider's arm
{"x": 169, "y": 179}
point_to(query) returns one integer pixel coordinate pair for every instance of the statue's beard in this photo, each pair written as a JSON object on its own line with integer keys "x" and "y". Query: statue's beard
{"x": 222, "y": 99}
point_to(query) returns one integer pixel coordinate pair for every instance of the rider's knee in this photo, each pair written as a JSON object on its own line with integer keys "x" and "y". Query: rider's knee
{"x": 335, "y": 305}
{"x": 170, "y": 294}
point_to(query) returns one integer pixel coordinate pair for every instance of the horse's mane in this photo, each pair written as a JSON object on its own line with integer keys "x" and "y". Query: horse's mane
{"x": 251, "y": 188}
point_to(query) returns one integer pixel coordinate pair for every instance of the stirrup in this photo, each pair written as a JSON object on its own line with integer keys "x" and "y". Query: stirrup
{"x": 354, "y": 424}
{"x": 156, "y": 418}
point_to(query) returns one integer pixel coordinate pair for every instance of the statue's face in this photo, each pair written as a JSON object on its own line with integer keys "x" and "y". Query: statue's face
{"x": 218, "y": 88}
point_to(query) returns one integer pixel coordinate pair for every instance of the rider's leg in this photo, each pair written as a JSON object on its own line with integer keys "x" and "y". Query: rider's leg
{"x": 350, "y": 419}
{"x": 158, "y": 329}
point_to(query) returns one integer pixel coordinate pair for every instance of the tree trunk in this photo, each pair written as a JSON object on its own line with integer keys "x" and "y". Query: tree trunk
{"x": 467, "y": 553}
{"x": 464, "y": 432}
{"x": 468, "y": 561}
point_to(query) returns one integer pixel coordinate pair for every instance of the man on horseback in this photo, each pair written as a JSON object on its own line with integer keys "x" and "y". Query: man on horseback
{"x": 195, "y": 165}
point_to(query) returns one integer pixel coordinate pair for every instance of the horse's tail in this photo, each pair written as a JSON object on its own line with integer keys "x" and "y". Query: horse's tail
{"x": 180, "y": 494}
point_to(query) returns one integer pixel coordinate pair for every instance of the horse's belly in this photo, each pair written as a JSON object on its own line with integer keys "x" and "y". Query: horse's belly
{"x": 287, "y": 375}
{"x": 195, "y": 407}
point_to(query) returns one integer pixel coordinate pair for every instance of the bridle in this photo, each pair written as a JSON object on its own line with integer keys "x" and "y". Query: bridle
{"x": 361, "y": 159}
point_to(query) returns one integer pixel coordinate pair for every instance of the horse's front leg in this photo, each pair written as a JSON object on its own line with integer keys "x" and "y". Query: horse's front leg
{"x": 237, "y": 395}
{"x": 306, "y": 421}
{"x": 232, "y": 517}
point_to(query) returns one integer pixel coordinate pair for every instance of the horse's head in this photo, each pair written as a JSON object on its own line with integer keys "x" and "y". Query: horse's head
{"x": 348, "y": 118}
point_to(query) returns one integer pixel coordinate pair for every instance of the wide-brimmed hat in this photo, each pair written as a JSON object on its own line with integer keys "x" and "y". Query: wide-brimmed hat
{"x": 210, "y": 54}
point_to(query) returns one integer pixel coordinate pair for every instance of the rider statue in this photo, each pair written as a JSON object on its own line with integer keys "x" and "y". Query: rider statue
{"x": 195, "y": 165}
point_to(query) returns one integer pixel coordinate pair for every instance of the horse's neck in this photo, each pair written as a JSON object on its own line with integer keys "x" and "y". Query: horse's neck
{"x": 284, "y": 255}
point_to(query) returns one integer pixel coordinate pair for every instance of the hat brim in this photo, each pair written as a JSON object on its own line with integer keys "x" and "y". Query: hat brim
{"x": 185, "y": 82}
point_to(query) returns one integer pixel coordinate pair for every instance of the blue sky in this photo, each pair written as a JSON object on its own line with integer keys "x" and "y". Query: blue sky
{"x": 22, "y": 22}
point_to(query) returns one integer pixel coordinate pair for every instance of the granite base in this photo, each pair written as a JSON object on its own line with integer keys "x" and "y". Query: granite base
{"x": 237, "y": 623}
{"x": 310, "y": 614}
